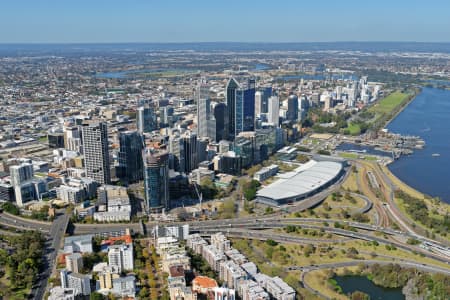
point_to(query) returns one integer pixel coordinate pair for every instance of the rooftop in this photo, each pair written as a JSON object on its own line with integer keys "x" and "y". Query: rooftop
{"x": 204, "y": 282}
{"x": 302, "y": 181}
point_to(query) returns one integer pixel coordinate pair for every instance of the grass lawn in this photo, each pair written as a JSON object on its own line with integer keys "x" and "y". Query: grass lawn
{"x": 350, "y": 182}
{"x": 354, "y": 129}
{"x": 389, "y": 103}
{"x": 318, "y": 280}
{"x": 357, "y": 156}
{"x": 335, "y": 207}
{"x": 349, "y": 155}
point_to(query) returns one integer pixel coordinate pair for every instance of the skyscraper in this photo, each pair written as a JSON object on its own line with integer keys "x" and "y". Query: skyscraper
{"x": 267, "y": 92}
{"x": 241, "y": 107}
{"x": 292, "y": 108}
{"x": 176, "y": 156}
{"x": 258, "y": 102}
{"x": 190, "y": 151}
{"x": 21, "y": 173}
{"x": 249, "y": 107}
{"x": 156, "y": 179}
{"x": 274, "y": 110}
{"x": 206, "y": 124}
{"x": 130, "y": 156}
{"x": 96, "y": 154}
{"x": 230, "y": 95}
{"x": 221, "y": 117}
{"x": 146, "y": 119}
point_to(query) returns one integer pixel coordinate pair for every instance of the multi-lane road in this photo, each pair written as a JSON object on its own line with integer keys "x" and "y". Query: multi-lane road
{"x": 249, "y": 227}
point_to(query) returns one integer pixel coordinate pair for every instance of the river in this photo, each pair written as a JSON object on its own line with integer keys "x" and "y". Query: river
{"x": 427, "y": 116}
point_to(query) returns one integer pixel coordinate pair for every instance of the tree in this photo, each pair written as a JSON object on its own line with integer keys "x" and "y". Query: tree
{"x": 96, "y": 296}
{"x": 357, "y": 295}
{"x": 271, "y": 243}
{"x": 144, "y": 293}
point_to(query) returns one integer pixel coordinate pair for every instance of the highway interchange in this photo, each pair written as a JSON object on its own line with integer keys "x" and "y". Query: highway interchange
{"x": 255, "y": 227}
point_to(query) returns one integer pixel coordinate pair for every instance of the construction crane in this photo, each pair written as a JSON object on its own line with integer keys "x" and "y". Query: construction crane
{"x": 199, "y": 195}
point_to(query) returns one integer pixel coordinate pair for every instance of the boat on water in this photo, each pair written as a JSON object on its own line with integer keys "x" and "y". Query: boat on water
{"x": 357, "y": 151}
{"x": 435, "y": 154}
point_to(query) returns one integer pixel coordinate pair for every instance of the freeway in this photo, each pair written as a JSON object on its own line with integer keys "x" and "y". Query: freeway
{"x": 17, "y": 222}
{"x": 23, "y": 223}
{"x": 254, "y": 231}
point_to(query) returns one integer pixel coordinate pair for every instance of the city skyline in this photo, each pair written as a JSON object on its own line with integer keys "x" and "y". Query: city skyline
{"x": 233, "y": 21}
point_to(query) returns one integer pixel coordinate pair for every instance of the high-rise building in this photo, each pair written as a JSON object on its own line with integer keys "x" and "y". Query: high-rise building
{"x": 21, "y": 180}
{"x": 262, "y": 100}
{"x": 166, "y": 116}
{"x": 156, "y": 179}
{"x": 267, "y": 93}
{"x": 230, "y": 95}
{"x": 206, "y": 124}
{"x": 130, "y": 156}
{"x": 21, "y": 173}
{"x": 292, "y": 108}
{"x": 190, "y": 151}
{"x": 274, "y": 110}
{"x": 176, "y": 150}
{"x": 258, "y": 102}
{"x": 96, "y": 154}
{"x": 221, "y": 118}
{"x": 241, "y": 107}
{"x": 146, "y": 119}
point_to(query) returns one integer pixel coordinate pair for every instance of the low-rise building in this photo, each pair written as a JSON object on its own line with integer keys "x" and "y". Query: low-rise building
{"x": 74, "y": 262}
{"x": 176, "y": 276}
{"x": 266, "y": 173}
{"x": 79, "y": 243}
{"x": 80, "y": 283}
{"x": 196, "y": 243}
{"x": 250, "y": 290}
{"x": 279, "y": 289}
{"x": 223, "y": 293}
{"x": 220, "y": 242}
{"x": 112, "y": 216}
{"x": 60, "y": 293}
{"x": 231, "y": 273}
{"x": 124, "y": 286}
{"x": 181, "y": 293}
{"x": 213, "y": 256}
{"x": 204, "y": 285}
{"x": 236, "y": 256}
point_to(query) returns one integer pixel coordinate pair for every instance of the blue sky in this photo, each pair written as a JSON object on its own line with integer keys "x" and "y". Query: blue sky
{"x": 73, "y": 21}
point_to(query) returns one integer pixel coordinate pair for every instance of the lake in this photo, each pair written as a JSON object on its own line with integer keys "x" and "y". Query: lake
{"x": 349, "y": 284}
{"x": 428, "y": 117}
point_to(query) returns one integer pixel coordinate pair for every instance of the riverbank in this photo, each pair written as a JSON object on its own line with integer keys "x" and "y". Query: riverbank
{"x": 436, "y": 209}
{"x": 402, "y": 106}
{"x": 426, "y": 170}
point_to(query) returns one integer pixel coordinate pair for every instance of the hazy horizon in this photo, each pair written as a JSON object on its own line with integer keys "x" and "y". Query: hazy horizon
{"x": 199, "y": 21}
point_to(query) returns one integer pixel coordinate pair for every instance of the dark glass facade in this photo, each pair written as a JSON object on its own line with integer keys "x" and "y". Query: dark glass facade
{"x": 130, "y": 156}
{"x": 156, "y": 179}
